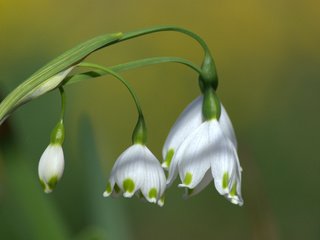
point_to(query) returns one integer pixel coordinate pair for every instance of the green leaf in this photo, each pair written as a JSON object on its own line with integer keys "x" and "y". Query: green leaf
{"x": 104, "y": 216}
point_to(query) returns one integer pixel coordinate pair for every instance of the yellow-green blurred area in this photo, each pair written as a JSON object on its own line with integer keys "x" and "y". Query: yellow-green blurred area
{"x": 268, "y": 58}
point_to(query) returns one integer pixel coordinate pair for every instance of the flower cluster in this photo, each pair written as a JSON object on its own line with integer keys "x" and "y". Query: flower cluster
{"x": 198, "y": 150}
{"x": 201, "y": 147}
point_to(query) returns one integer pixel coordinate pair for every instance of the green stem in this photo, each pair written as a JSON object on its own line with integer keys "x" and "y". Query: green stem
{"x": 130, "y": 65}
{"x": 139, "y": 135}
{"x": 57, "y": 134}
{"x": 63, "y": 103}
{"x": 75, "y": 55}
{"x": 116, "y": 75}
{"x": 208, "y": 75}
{"x": 152, "y": 61}
{"x": 138, "y": 33}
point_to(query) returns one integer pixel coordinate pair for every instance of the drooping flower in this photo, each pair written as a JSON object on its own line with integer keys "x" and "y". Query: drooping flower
{"x": 137, "y": 171}
{"x": 51, "y": 166}
{"x": 188, "y": 121}
{"x": 201, "y": 150}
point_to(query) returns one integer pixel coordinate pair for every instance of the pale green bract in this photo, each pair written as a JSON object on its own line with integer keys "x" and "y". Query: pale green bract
{"x": 46, "y": 74}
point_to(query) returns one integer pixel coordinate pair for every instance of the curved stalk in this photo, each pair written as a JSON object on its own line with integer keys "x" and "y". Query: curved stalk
{"x": 116, "y": 75}
{"x": 127, "y": 66}
{"x": 138, "y": 33}
{"x": 63, "y": 103}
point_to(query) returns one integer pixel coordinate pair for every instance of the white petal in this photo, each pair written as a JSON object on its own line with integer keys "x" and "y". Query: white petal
{"x": 154, "y": 184}
{"x": 204, "y": 183}
{"x": 162, "y": 181}
{"x": 226, "y": 171}
{"x": 235, "y": 195}
{"x": 112, "y": 189}
{"x": 226, "y": 126}
{"x": 188, "y": 120}
{"x": 222, "y": 167}
{"x": 172, "y": 171}
{"x": 51, "y": 162}
{"x": 194, "y": 154}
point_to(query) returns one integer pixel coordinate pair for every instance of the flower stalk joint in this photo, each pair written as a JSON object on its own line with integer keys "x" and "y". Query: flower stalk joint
{"x": 57, "y": 134}
{"x": 211, "y": 106}
{"x": 139, "y": 135}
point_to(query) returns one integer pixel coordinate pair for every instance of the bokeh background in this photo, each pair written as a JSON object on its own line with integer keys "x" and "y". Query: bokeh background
{"x": 268, "y": 57}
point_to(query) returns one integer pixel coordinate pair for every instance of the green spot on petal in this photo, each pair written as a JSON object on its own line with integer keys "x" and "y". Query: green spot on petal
{"x": 153, "y": 193}
{"x": 128, "y": 185}
{"x": 233, "y": 190}
{"x": 169, "y": 156}
{"x": 53, "y": 182}
{"x": 187, "y": 179}
{"x": 108, "y": 188}
{"x": 225, "y": 180}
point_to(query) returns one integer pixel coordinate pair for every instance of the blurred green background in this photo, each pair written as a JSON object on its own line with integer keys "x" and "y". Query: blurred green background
{"x": 268, "y": 57}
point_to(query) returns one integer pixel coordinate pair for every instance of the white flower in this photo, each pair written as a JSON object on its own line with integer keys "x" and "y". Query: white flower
{"x": 51, "y": 166}
{"x": 138, "y": 171}
{"x": 200, "y": 151}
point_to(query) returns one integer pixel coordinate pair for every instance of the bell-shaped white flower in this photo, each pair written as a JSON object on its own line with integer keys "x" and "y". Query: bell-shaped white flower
{"x": 206, "y": 151}
{"x": 189, "y": 120}
{"x": 137, "y": 171}
{"x": 200, "y": 151}
{"x": 51, "y": 166}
